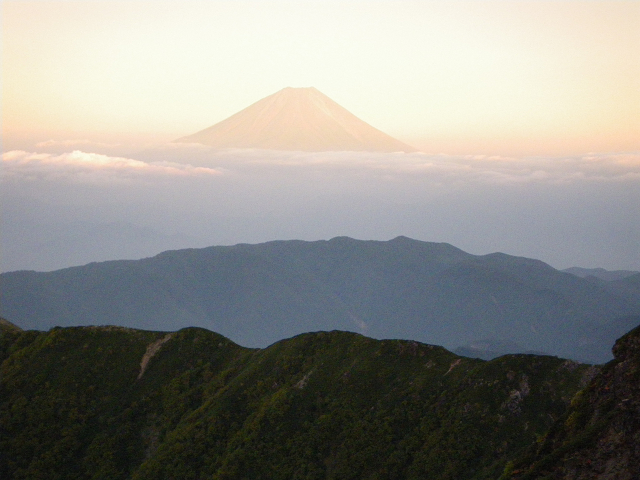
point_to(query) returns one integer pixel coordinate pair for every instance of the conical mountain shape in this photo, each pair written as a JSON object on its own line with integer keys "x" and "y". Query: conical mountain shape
{"x": 297, "y": 119}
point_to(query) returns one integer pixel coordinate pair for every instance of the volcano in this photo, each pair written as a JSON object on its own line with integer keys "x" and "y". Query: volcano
{"x": 297, "y": 119}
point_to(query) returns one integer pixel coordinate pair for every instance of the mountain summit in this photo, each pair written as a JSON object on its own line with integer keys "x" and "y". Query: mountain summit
{"x": 297, "y": 119}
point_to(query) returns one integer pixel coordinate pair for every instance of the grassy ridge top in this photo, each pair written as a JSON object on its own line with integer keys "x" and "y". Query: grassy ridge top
{"x": 112, "y": 402}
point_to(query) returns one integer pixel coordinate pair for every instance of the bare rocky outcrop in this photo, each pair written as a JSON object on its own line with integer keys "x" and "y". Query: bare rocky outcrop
{"x": 152, "y": 349}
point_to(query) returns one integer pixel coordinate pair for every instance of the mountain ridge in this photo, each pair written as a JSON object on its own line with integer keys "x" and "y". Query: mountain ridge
{"x": 599, "y": 434}
{"x": 601, "y": 273}
{"x": 402, "y": 288}
{"x": 337, "y": 405}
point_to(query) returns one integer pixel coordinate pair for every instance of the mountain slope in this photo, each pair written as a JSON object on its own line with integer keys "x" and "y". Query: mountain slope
{"x": 403, "y": 288}
{"x": 601, "y": 273}
{"x": 296, "y": 119}
{"x": 110, "y": 402}
{"x": 599, "y": 434}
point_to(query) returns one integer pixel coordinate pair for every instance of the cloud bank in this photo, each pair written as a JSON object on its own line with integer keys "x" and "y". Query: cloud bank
{"x": 446, "y": 168}
{"x": 79, "y": 166}
{"x": 201, "y": 161}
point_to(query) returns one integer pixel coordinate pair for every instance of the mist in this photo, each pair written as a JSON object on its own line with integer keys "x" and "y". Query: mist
{"x": 74, "y": 207}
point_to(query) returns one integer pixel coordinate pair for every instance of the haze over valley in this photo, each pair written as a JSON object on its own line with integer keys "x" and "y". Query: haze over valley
{"x": 71, "y": 208}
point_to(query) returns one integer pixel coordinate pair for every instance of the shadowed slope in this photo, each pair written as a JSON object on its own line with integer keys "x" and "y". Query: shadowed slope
{"x": 599, "y": 434}
{"x": 297, "y": 119}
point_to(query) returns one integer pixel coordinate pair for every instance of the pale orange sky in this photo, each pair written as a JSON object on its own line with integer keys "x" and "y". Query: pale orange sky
{"x": 510, "y": 77}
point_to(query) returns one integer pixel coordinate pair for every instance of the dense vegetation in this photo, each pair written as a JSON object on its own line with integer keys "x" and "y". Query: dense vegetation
{"x": 112, "y": 402}
{"x": 403, "y": 288}
{"x": 599, "y": 434}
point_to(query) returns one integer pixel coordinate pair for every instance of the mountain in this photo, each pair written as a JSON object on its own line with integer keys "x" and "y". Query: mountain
{"x": 599, "y": 434}
{"x": 117, "y": 403}
{"x": 8, "y": 334}
{"x": 628, "y": 287}
{"x": 489, "y": 348}
{"x": 402, "y": 288}
{"x": 601, "y": 273}
{"x": 621, "y": 283}
{"x": 296, "y": 119}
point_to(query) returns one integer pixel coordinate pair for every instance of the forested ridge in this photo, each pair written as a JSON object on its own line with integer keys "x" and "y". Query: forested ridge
{"x": 111, "y": 402}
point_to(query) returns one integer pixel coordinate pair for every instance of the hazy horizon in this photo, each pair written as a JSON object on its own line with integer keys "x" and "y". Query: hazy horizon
{"x": 526, "y": 115}
{"x": 569, "y": 211}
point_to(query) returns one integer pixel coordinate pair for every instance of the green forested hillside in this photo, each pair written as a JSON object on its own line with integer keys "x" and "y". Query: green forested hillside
{"x": 599, "y": 434}
{"x": 111, "y": 402}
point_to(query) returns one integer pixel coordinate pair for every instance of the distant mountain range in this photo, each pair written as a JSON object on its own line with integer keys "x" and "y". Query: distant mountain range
{"x": 601, "y": 273}
{"x": 117, "y": 403}
{"x": 403, "y": 288}
{"x": 297, "y": 119}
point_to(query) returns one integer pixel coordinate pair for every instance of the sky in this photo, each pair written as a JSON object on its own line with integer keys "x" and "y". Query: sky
{"x": 475, "y": 77}
{"x": 527, "y": 115}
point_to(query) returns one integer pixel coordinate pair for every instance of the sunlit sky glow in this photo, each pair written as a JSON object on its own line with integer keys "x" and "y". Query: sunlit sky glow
{"x": 476, "y": 77}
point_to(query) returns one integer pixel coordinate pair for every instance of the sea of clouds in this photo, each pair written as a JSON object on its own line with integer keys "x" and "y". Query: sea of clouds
{"x": 83, "y": 202}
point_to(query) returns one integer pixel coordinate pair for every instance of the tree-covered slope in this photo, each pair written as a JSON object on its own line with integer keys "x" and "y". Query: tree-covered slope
{"x": 599, "y": 434}
{"x": 9, "y": 333}
{"x": 403, "y": 288}
{"x": 77, "y": 402}
{"x": 110, "y": 402}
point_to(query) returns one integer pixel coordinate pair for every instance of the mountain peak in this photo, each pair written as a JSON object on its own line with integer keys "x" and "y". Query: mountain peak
{"x": 300, "y": 118}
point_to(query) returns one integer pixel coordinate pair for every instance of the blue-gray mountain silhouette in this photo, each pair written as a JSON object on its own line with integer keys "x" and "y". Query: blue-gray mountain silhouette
{"x": 258, "y": 294}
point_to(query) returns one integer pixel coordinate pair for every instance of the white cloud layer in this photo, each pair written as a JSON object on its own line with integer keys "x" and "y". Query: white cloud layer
{"x": 195, "y": 160}
{"x": 79, "y": 166}
{"x": 176, "y": 160}
{"x": 482, "y": 169}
